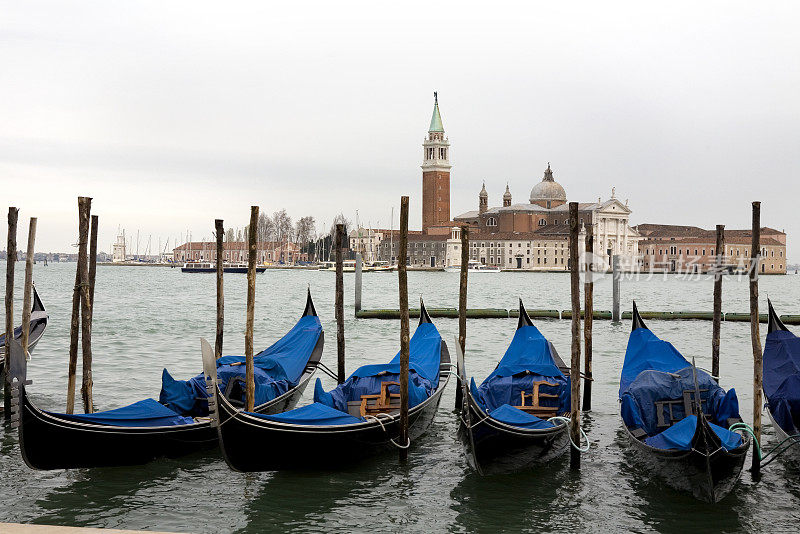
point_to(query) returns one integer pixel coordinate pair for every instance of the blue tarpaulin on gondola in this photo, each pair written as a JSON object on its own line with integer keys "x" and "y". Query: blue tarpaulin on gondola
{"x": 679, "y": 436}
{"x": 528, "y": 359}
{"x": 516, "y": 417}
{"x": 656, "y": 377}
{"x": 646, "y": 351}
{"x": 425, "y": 351}
{"x": 147, "y": 412}
{"x": 276, "y": 370}
{"x": 312, "y": 414}
{"x": 782, "y": 378}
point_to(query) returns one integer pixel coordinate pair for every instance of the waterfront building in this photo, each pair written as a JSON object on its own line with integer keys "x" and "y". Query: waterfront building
{"x": 674, "y": 248}
{"x": 534, "y": 235}
{"x": 118, "y": 252}
{"x": 236, "y": 252}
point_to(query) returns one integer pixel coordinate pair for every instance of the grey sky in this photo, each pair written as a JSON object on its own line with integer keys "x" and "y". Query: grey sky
{"x": 173, "y": 113}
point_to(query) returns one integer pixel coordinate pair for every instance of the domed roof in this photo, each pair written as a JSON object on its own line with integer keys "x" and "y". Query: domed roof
{"x": 507, "y": 194}
{"x": 483, "y": 193}
{"x": 548, "y": 189}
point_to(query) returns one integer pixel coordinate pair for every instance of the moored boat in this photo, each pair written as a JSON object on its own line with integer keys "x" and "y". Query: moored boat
{"x": 782, "y": 382}
{"x": 37, "y": 326}
{"x": 358, "y": 418}
{"x": 677, "y": 418}
{"x": 207, "y": 267}
{"x": 506, "y": 424}
{"x": 175, "y": 425}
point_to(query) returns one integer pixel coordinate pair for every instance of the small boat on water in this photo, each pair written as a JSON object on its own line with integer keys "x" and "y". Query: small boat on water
{"x": 356, "y": 419}
{"x": 348, "y": 266}
{"x": 782, "y": 382}
{"x": 474, "y": 267}
{"x": 37, "y": 326}
{"x": 208, "y": 267}
{"x": 677, "y": 418}
{"x": 506, "y": 423}
{"x": 178, "y": 422}
{"x": 382, "y": 266}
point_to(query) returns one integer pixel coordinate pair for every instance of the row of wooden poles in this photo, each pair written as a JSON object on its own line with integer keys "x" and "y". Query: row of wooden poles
{"x": 83, "y": 300}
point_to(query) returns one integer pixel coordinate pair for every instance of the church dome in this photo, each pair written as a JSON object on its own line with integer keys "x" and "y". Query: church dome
{"x": 548, "y": 189}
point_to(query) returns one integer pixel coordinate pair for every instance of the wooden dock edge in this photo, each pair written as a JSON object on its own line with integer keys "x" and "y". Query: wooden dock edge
{"x": 18, "y": 528}
{"x": 500, "y": 313}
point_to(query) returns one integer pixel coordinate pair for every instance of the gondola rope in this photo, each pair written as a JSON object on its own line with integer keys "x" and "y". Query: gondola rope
{"x": 744, "y": 427}
{"x": 584, "y": 437}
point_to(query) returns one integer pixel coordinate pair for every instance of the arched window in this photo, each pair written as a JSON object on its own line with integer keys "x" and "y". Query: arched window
{"x": 542, "y": 222}
{"x": 491, "y": 221}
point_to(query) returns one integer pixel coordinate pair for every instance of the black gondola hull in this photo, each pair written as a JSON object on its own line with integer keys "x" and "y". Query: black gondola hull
{"x": 250, "y": 443}
{"x": 51, "y": 442}
{"x": 493, "y": 447}
{"x": 708, "y": 475}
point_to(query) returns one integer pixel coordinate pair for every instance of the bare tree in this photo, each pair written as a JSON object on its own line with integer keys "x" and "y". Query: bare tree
{"x": 283, "y": 226}
{"x": 266, "y": 228}
{"x": 304, "y": 229}
{"x": 340, "y": 219}
{"x": 230, "y": 235}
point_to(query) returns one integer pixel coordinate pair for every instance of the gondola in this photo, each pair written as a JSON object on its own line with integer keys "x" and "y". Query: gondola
{"x": 682, "y": 441}
{"x": 356, "y": 419}
{"x": 38, "y": 324}
{"x": 173, "y": 426}
{"x": 504, "y": 423}
{"x": 782, "y": 381}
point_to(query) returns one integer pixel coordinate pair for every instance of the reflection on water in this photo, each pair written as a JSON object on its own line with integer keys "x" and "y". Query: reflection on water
{"x": 146, "y": 319}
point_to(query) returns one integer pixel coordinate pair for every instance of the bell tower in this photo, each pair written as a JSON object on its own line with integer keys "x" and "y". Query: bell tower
{"x": 435, "y": 173}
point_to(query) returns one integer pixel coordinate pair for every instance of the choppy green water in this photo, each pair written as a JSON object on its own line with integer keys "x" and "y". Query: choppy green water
{"x": 149, "y": 318}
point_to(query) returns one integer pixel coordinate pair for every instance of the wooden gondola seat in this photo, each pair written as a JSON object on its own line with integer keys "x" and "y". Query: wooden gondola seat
{"x": 383, "y": 402}
{"x": 535, "y": 407}
{"x": 688, "y": 403}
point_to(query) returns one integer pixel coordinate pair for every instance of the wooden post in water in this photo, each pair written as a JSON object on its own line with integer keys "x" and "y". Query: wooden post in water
{"x": 462, "y": 305}
{"x": 755, "y": 335}
{"x": 73, "y": 329}
{"x": 220, "y": 231}
{"x": 359, "y": 268}
{"x": 339, "y": 306}
{"x": 715, "y": 328}
{"x": 28, "y": 290}
{"x": 575, "y": 377}
{"x": 84, "y": 215}
{"x": 92, "y": 262}
{"x": 252, "y": 250}
{"x": 616, "y": 316}
{"x": 404, "y": 333}
{"x": 588, "y": 307}
{"x": 13, "y": 215}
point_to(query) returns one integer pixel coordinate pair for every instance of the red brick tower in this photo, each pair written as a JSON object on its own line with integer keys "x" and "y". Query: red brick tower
{"x": 435, "y": 173}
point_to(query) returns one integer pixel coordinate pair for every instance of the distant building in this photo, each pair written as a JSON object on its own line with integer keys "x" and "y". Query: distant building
{"x": 674, "y": 248}
{"x": 118, "y": 252}
{"x": 236, "y": 252}
{"x": 436, "y": 176}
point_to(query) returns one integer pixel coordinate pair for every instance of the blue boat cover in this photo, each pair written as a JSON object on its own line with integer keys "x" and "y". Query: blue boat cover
{"x": 277, "y": 369}
{"x": 782, "y": 378}
{"x": 147, "y": 412}
{"x": 528, "y": 359}
{"x": 516, "y": 417}
{"x": 653, "y": 372}
{"x": 312, "y": 414}
{"x": 425, "y": 352}
{"x": 679, "y": 436}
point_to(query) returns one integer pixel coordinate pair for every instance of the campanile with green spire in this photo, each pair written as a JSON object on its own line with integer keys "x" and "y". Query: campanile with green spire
{"x": 436, "y": 175}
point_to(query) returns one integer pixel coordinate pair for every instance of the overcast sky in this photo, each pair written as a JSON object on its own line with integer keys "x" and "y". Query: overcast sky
{"x": 171, "y": 114}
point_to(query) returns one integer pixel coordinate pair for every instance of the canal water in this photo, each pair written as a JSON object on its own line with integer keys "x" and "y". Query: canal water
{"x": 149, "y": 318}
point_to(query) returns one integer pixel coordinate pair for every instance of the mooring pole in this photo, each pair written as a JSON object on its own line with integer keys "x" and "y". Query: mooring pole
{"x": 588, "y": 306}
{"x": 404, "y": 334}
{"x": 93, "y": 262}
{"x": 252, "y": 250}
{"x": 220, "y": 230}
{"x": 339, "y": 306}
{"x": 28, "y": 292}
{"x": 615, "y": 276}
{"x": 462, "y": 305}
{"x": 755, "y": 335}
{"x": 359, "y": 268}
{"x": 574, "y": 374}
{"x": 715, "y": 328}
{"x": 73, "y": 331}
{"x": 13, "y": 215}
{"x": 84, "y": 216}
